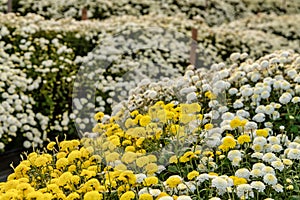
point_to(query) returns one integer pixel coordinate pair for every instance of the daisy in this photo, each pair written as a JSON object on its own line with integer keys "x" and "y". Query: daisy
{"x": 270, "y": 179}
{"x": 258, "y": 185}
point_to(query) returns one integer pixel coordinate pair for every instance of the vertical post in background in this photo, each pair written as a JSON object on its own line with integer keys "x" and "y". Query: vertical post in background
{"x": 84, "y": 14}
{"x": 193, "y": 46}
{"x": 9, "y": 6}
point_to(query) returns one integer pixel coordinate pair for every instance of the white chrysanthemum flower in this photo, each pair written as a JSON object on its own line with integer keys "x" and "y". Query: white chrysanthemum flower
{"x": 184, "y": 197}
{"x": 268, "y": 170}
{"x": 273, "y": 140}
{"x": 278, "y": 188}
{"x": 278, "y": 165}
{"x": 202, "y": 177}
{"x": 238, "y": 104}
{"x": 256, "y": 173}
{"x": 220, "y": 184}
{"x": 295, "y": 100}
{"x": 233, "y": 91}
{"x": 228, "y": 179}
{"x": 227, "y": 116}
{"x": 264, "y": 64}
{"x": 181, "y": 186}
{"x": 257, "y": 147}
{"x": 213, "y": 141}
{"x": 242, "y": 113}
{"x": 260, "y": 117}
{"x": 154, "y": 192}
{"x": 258, "y": 185}
{"x": 215, "y": 198}
{"x": 260, "y": 109}
{"x": 293, "y": 154}
{"x": 27, "y": 144}
{"x": 140, "y": 177}
{"x": 246, "y": 92}
{"x": 223, "y": 109}
{"x": 243, "y": 173}
{"x": 232, "y": 154}
{"x": 265, "y": 94}
{"x": 270, "y": 179}
{"x": 255, "y": 76}
{"x": 235, "y": 56}
{"x": 244, "y": 190}
{"x": 258, "y": 155}
{"x": 285, "y": 85}
{"x": 293, "y": 145}
{"x": 213, "y": 103}
{"x": 260, "y": 140}
{"x": 285, "y": 98}
{"x": 269, "y": 157}
{"x": 236, "y": 161}
{"x": 269, "y": 109}
{"x": 250, "y": 126}
{"x": 143, "y": 191}
{"x": 191, "y": 97}
{"x": 259, "y": 166}
{"x": 276, "y": 148}
{"x": 191, "y": 186}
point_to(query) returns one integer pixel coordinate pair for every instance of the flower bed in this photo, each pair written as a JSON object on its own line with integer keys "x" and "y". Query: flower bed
{"x": 46, "y": 55}
{"x": 234, "y": 134}
{"x": 212, "y": 12}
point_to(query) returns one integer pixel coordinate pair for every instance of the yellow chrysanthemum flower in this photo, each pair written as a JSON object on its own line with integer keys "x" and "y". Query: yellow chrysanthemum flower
{"x": 187, "y": 156}
{"x": 51, "y": 145}
{"x": 173, "y": 181}
{"x": 149, "y": 181}
{"x": 145, "y": 120}
{"x": 235, "y": 122}
{"x": 262, "y": 132}
{"x": 192, "y": 175}
{"x": 128, "y": 196}
{"x": 145, "y": 197}
{"x": 142, "y": 161}
{"x": 208, "y": 126}
{"x": 244, "y": 139}
{"x": 92, "y": 195}
{"x": 229, "y": 141}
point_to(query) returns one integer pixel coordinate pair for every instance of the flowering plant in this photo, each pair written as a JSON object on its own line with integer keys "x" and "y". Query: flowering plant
{"x": 204, "y": 148}
{"x": 48, "y": 54}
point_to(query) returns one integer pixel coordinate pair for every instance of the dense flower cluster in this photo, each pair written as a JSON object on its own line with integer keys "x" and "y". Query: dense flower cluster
{"x": 56, "y": 49}
{"x": 212, "y": 12}
{"x": 245, "y": 146}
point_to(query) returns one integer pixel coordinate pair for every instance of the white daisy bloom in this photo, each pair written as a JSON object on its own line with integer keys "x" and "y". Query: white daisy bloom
{"x": 270, "y": 179}
{"x": 232, "y": 154}
{"x": 269, "y": 157}
{"x": 220, "y": 184}
{"x": 258, "y": 185}
{"x": 278, "y": 165}
{"x": 244, "y": 190}
{"x": 276, "y": 148}
{"x": 243, "y": 173}
{"x": 256, "y": 173}
{"x": 260, "y": 140}
{"x": 285, "y": 98}
{"x": 278, "y": 188}
{"x": 268, "y": 170}
{"x": 260, "y": 117}
{"x": 293, "y": 154}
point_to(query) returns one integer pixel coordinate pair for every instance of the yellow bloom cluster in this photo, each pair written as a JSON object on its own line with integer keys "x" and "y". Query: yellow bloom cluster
{"x": 73, "y": 172}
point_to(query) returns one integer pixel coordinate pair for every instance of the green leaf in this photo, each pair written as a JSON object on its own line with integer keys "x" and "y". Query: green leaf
{"x": 172, "y": 169}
